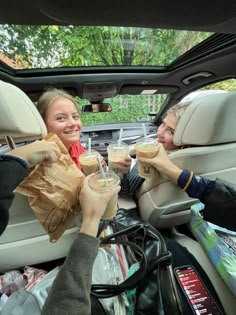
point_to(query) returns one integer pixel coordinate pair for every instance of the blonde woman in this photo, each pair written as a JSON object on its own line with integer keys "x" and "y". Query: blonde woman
{"x": 60, "y": 114}
{"x": 165, "y": 133}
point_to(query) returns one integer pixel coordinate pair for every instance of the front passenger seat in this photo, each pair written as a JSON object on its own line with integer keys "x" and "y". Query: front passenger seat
{"x": 25, "y": 242}
{"x": 208, "y": 124}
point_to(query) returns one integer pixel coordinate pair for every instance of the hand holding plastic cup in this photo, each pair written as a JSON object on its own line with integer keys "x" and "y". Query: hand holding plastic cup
{"x": 147, "y": 148}
{"x": 102, "y": 182}
{"x": 117, "y": 152}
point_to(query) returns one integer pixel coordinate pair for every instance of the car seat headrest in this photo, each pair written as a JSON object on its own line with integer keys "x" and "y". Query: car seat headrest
{"x": 208, "y": 120}
{"x": 19, "y": 116}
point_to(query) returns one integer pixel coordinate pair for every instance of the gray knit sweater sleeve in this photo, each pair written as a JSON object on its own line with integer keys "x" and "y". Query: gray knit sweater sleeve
{"x": 70, "y": 292}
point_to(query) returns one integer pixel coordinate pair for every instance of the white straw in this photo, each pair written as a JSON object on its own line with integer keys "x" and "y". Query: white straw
{"x": 144, "y": 131}
{"x": 101, "y": 168}
{"x": 89, "y": 145}
{"x": 120, "y": 137}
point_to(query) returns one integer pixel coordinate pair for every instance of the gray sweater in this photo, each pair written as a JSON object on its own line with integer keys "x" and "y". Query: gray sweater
{"x": 70, "y": 292}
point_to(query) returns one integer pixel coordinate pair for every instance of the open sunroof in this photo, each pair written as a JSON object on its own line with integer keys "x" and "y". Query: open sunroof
{"x": 53, "y": 46}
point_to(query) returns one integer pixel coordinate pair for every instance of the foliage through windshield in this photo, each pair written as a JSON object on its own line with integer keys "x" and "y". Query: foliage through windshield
{"x": 43, "y": 46}
{"x": 125, "y": 108}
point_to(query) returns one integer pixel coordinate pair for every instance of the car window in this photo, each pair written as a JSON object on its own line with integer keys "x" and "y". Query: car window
{"x": 225, "y": 85}
{"x": 215, "y": 88}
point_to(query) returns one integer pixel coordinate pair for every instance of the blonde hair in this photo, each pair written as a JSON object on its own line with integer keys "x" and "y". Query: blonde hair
{"x": 178, "y": 110}
{"x": 49, "y": 97}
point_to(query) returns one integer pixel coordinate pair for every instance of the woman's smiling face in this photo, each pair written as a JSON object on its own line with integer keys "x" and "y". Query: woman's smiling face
{"x": 166, "y": 130}
{"x": 63, "y": 119}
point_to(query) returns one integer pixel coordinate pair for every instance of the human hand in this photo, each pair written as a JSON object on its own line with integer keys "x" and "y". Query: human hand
{"x": 38, "y": 152}
{"x": 93, "y": 206}
{"x": 123, "y": 166}
{"x": 163, "y": 164}
{"x": 159, "y": 161}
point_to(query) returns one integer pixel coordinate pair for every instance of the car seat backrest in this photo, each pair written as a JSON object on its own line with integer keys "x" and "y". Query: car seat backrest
{"x": 208, "y": 124}
{"x": 19, "y": 117}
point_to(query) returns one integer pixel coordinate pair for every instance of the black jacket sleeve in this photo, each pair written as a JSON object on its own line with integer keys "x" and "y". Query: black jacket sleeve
{"x": 220, "y": 204}
{"x": 12, "y": 172}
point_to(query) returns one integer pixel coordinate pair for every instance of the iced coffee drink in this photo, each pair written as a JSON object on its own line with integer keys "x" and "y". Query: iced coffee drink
{"x": 117, "y": 152}
{"x": 101, "y": 185}
{"x": 146, "y": 148}
{"x": 89, "y": 162}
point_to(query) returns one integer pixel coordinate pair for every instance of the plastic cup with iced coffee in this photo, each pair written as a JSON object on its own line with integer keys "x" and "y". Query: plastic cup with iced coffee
{"x": 117, "y": 152}
{"x": 88, "y": 161}
{"x": 103, "y": 182}
{"x": 147, "y": 148}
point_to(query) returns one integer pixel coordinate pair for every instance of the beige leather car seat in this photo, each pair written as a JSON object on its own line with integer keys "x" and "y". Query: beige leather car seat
{"x": 208, "y": 124}
{"x": 24, "y": 241}
{"x": 19, "y": 117}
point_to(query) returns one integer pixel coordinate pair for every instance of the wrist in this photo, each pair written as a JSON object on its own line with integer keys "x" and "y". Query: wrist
{"x": 172, "y": 172}
{"x": 90, "y": 225}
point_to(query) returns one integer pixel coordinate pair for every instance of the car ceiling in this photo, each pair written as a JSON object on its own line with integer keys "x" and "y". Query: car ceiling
{"x": 219, "y": 17}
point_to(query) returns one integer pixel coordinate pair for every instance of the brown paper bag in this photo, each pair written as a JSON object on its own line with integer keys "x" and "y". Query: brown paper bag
{"x": 54, "y": 192}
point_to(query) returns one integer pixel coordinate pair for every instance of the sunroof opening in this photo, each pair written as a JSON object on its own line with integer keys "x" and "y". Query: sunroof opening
{"x": 53, "y": 46}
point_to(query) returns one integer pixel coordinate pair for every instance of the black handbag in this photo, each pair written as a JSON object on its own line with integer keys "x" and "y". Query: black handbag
{"x": 154, "y": 281}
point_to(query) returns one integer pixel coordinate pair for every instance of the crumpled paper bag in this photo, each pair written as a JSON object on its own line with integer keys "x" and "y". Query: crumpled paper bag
{"x": 53, "y": 192}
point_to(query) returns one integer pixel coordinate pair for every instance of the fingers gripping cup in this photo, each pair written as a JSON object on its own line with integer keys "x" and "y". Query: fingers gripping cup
{"x": 88, "y": 161}
{"x": 146, "y": 148}
{"x": 117, "y": 152}
{"x": 101, "y": 185}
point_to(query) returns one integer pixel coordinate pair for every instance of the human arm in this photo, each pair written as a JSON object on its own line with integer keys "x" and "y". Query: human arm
{"x": 219, "y": 197}
{"x": 14, "y": 167}
{"x": 164, "y": 165}
{"x": 70, "y": 292}
{"x": 13, "y": 170}
{"x": 131, "y": 181}
{"x": 195, "y": 186}
{"x": 220, "y": 204}
{"x": 93, "y": 206}
{"x": 37, "y": 152}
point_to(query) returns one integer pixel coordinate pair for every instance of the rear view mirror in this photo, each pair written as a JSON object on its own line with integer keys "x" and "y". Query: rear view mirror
{"x": 97, "y": 108}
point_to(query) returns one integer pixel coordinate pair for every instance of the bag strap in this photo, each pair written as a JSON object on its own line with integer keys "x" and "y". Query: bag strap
{"x": 125, "y": 231}
{"x": 109, "y": 290}
{"x": 97, "y": 307}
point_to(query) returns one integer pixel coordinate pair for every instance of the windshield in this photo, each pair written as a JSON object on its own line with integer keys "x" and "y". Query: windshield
{"x": 125, "y": 108}
{"x": 53, "y": 46}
